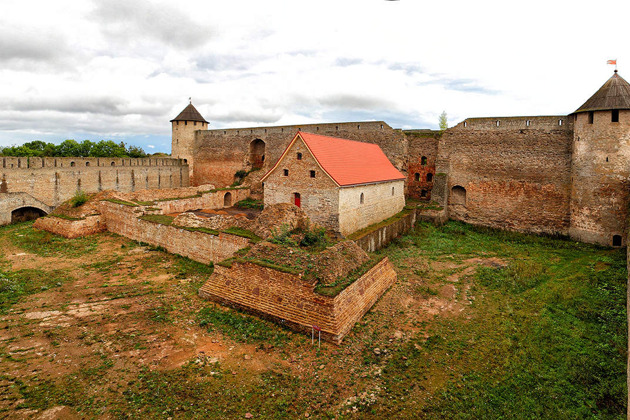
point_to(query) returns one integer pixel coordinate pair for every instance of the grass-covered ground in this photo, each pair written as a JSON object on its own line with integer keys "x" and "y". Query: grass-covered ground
{"x": 481, "y": 324}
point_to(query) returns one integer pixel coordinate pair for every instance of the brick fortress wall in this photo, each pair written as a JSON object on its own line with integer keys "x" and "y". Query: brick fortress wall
{"x": 55, "y": 180}
{"x": 516, "y": 172}
{"x": 220, "y": 153}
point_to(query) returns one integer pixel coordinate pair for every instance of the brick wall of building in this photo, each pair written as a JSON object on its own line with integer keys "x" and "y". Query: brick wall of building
{"x": 515, "y": 176}
{"x": 380, "y": 201}
{"x": 319, "y": 195}
{"x": 54, "y": 180}
{"x": 286, "y": 297}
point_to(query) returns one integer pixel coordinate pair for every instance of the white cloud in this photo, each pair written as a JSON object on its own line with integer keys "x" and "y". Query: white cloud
{"x": 123, "y": 69}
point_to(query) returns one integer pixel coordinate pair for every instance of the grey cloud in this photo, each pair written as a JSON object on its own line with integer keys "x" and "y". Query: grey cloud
{"x": 244, "y": 116}
{"x": 83, "y": 105}
{"x": 355, "y": 101}
{"x": 467, "y": 85}
{"x": 347, "y": 62}
{"x": 127, "y": 20}
{"x": 23, "y": 48}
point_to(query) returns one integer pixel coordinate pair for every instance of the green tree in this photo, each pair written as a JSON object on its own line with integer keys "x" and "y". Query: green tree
{"x": 443, "y": 121}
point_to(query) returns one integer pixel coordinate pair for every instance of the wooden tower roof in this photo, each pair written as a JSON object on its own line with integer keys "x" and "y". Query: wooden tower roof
{"x": 614, "y": 94}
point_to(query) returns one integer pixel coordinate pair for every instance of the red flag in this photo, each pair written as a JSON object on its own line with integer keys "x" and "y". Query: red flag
{"x": 612, "y": 62}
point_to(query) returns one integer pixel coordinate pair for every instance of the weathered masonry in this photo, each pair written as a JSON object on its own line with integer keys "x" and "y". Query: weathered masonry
{"x": 50, "y": 181}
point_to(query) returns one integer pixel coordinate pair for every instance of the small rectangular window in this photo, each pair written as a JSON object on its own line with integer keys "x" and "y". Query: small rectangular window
{"x": 312, "y": 174}
{"x": 528, "y": 122}
{"x": 560, "y": 122}
{"x": 590, "y": 117}
{"x": 286, "y": 172}
{"x": 299, "y": 156}
{"x": 615, "y": 115}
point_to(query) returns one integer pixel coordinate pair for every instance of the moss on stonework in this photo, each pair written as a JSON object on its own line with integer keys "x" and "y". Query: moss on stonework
{"x": 63, "y": 216}
{"x": 333, "y": 289}
{"x": 158, "y": 218}
{"x": 122, "y": 202}
{"x": 367, "y": 230}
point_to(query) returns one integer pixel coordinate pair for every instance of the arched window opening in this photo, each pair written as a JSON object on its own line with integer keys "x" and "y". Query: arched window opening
{"x": 72, "y": 164}
{"x": 87, "y": 163}
{"x": 113, "y": 164}
{"x": 257, "y": 153}
{"x": 417, "y": 176}
{"x": 297, "y": 199}
{"x": 227, "y": 199}
{"x": 429, "y": 177}
{"x": 616, "y": 240}
{"x": 362, "y": 198}
{"x": 458, "y": 195}
{"x": 423, "y": 160}
{"x": 4, "y": 188}
{"x": 24, "y": 214}
{"x": 423, "y": 194}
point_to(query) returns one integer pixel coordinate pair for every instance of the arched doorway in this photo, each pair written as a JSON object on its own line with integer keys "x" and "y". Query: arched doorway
{"x": 24, "y": 214}
{"x": 227, "y": 199}
{"x": 257, "y": 153}
{"x": 458, "y": 195}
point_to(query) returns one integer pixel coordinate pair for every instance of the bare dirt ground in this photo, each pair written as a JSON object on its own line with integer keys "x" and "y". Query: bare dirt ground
{"x": 123, "y": 309}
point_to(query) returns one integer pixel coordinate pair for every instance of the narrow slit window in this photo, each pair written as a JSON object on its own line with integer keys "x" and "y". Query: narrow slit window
{"x": 362, "y": 199}
{"x": 591, "y": 116}
{"x": 527, "y": 123}
{"x": 560, "y": 122}
{"x": 615, "y": 115}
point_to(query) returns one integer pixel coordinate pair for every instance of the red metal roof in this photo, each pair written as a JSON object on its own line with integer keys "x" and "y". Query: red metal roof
{"x": 350, "y": 162}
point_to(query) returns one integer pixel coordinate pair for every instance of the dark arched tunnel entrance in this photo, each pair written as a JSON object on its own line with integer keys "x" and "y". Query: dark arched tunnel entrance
{"x": 24, "y": 214}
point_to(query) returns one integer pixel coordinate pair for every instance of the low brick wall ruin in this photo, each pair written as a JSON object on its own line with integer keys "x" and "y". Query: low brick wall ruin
{"x": 71, "y": 228}
{"x": 381, "y": 237}
{"x": 287, "y": 298}
{"x": 198, "y": 246}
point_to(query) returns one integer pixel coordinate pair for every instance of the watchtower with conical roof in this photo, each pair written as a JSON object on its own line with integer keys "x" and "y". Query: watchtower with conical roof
{"x": 601, "y": 165}
{"x": 183, "y": 138}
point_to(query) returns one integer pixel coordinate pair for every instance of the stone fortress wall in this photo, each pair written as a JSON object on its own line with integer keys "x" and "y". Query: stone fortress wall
{"x": 220, "y": 153}
{"x": 512, "y": 173}
{"x": 55, "y": 180}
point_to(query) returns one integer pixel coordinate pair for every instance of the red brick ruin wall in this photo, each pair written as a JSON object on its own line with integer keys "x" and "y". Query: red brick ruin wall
{"x": 516, "y": 176}
{"x": 421, "y": 175}
{"x": 220, "y": 153}
{"x": 54, "y": 180}
{"x": 284, "y": 296}
{"x": 197, "y": 246}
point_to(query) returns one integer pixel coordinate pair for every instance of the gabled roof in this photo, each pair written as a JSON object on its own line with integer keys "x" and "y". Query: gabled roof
{"x": 347, "y": 162}
{"x": 189, "y": 113}
{"x": 614, "y": 94}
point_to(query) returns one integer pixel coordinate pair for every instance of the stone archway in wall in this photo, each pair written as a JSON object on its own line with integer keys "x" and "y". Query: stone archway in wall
{"x": 257, "y": 153}
{"x": 24, "y": 214}
{"x": 227, "y": 199}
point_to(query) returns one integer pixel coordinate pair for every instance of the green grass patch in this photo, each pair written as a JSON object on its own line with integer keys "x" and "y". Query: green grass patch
{"x": 545, "y": 337}
{"x": 338, "y": 286}
{"x": 47, "y": 244}
{"x": 250, "y": 203}
{"x": 122, "y": 202}
{"x": 15, "y": 285}
{"x": 65, "y": 217}
{"x": 240, "y": 326}
{"x": 162, "y": 219}
{"x": 79, "y": 199}
{"x": 245, "y": 233}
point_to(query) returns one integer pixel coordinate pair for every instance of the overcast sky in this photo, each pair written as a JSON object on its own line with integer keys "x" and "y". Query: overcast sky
{"x": 121, "y": 69}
